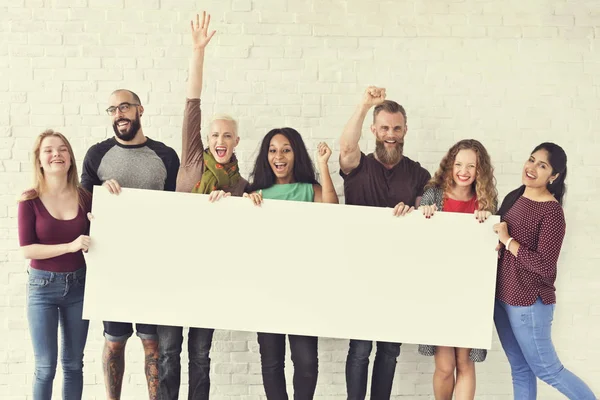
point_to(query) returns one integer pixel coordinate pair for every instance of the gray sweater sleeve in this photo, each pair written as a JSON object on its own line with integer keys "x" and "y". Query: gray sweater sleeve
{"x": 433, "y": 195}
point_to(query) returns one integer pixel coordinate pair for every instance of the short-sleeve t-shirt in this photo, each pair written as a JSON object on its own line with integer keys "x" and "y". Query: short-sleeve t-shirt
{"x": 372, "y": 184}
{"x": 290, "y": 191}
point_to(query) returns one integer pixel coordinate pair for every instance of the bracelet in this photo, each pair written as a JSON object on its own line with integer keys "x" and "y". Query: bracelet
{"x": 508, "y": 243}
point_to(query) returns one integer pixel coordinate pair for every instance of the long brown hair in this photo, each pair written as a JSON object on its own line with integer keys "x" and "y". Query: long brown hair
{"x": 39, "y": 180}
{"x": 484, "y": 185}
{"x": 262, "y": 175}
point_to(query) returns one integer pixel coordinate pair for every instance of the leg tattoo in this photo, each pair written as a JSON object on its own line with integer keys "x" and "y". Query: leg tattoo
{"x": 151, "y": 367}
{"x": 113, "y": 363}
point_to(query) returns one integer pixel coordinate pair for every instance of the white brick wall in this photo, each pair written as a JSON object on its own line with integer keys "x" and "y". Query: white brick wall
{"x": 510, "y": 73}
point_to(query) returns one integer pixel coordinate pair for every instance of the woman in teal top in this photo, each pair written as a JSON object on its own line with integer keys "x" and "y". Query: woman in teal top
{"x": 298, "y": 191}
{"x": 284, "y": 171}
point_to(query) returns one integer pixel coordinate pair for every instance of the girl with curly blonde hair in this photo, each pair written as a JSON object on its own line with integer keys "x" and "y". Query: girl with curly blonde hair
{"x": 463, "y": 183}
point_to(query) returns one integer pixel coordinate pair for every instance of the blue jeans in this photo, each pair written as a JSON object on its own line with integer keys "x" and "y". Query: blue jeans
{"x": 52, "y": 298}
{"x": 170, "y": 339}
{"x": 384, "y": 366}
{"x": 525, "y": 336}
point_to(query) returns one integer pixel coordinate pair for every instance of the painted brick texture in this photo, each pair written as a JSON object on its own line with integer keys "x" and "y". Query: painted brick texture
{"x": 509, "y": 73}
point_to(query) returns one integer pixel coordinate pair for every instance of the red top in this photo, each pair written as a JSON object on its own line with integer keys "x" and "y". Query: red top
{"x": 539, "y": 227}
{"x": 37, "y": 226}
{"x": 469, "y": 206}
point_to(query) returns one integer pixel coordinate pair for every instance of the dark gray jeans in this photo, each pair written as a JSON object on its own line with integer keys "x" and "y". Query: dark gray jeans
{"x": 170, "y": 339}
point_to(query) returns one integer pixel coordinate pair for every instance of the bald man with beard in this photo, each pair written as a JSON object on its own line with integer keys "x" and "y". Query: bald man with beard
{"x": 129, "y": 159}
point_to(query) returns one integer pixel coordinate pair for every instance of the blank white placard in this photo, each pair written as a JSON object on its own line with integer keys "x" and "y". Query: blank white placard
{"x": 326, "y": 270}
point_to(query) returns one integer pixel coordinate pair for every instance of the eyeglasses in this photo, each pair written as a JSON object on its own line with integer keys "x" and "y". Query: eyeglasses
{"x": 123, "y": 107}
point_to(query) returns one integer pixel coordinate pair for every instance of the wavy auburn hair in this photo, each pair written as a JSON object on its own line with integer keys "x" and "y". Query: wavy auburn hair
{"x": 484, "y": 185}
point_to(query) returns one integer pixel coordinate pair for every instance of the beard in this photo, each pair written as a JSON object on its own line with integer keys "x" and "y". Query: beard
{"x": 389, "y": 156}
{"x": 131, "y": 132}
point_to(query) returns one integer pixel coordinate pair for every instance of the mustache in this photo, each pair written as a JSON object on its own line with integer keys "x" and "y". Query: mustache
{"x": 121, "y": 120}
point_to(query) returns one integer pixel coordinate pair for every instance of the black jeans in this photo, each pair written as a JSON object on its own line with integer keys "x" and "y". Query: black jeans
{"x": 306, "y": 365}
{"x": 170, "y": 339}
{"x": 357, "y": 366}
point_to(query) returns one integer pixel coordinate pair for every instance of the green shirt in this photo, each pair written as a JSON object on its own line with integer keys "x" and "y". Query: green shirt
{"x": 290, "y": 191}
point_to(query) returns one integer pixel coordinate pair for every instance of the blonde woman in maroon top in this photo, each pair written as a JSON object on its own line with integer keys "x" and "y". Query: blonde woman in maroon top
{"x": 531, "y": 235}
{"x": 463, "y": 183}
{"x": 53, "y": 232}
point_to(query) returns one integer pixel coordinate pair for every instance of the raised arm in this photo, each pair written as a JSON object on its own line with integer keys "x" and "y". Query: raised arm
{"x": 200, "y": 38}
{"x": 349, "y": 149}
{"x": 192, "y": 146}
{"x": 325, "y": 193}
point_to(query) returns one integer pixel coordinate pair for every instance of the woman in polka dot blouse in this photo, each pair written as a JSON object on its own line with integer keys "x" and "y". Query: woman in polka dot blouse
{"x": 531, "y": 233}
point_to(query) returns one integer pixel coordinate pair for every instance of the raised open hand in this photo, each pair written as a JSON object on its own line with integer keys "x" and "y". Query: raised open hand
{"x": 200, "y": 35}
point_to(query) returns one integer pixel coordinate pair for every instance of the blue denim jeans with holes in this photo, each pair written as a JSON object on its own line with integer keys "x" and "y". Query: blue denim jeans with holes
{"x": 53, "y": 300}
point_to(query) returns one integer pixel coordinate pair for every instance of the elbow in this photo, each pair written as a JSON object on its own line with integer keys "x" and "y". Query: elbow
{"x": 331, "y": 197}
{"x": 335, "y": 199}
{"x": 26, "y": 251}
{"x": 546, "y": 268}
{"x": 194, "y": 91}
{"x": 347, "y": 148}
{"x": 543, "y": 270}
{"x": 548, "y": 272}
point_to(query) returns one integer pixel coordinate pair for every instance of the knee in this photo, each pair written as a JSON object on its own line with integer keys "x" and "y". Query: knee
{"x": 445, "y": 368}
{"x": 306, "y": 363}
{"x": 45, "y": 370}
{"x": 270, "y": 360}
{"x": 464, "y": 365}
{"x": 169, "y": 343}
{"x": 72, "y": 366}
{"x": 549, "y": 373}
{"x": 519, "y": 370}
{"x": 115, "y": 347}
{"x": 199, "y": 354}
{"x": 150, "y": 346}
{"x": 360, "y": 349}
{"x": 199, "y": 346}
{"x": 306, "y": 368}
